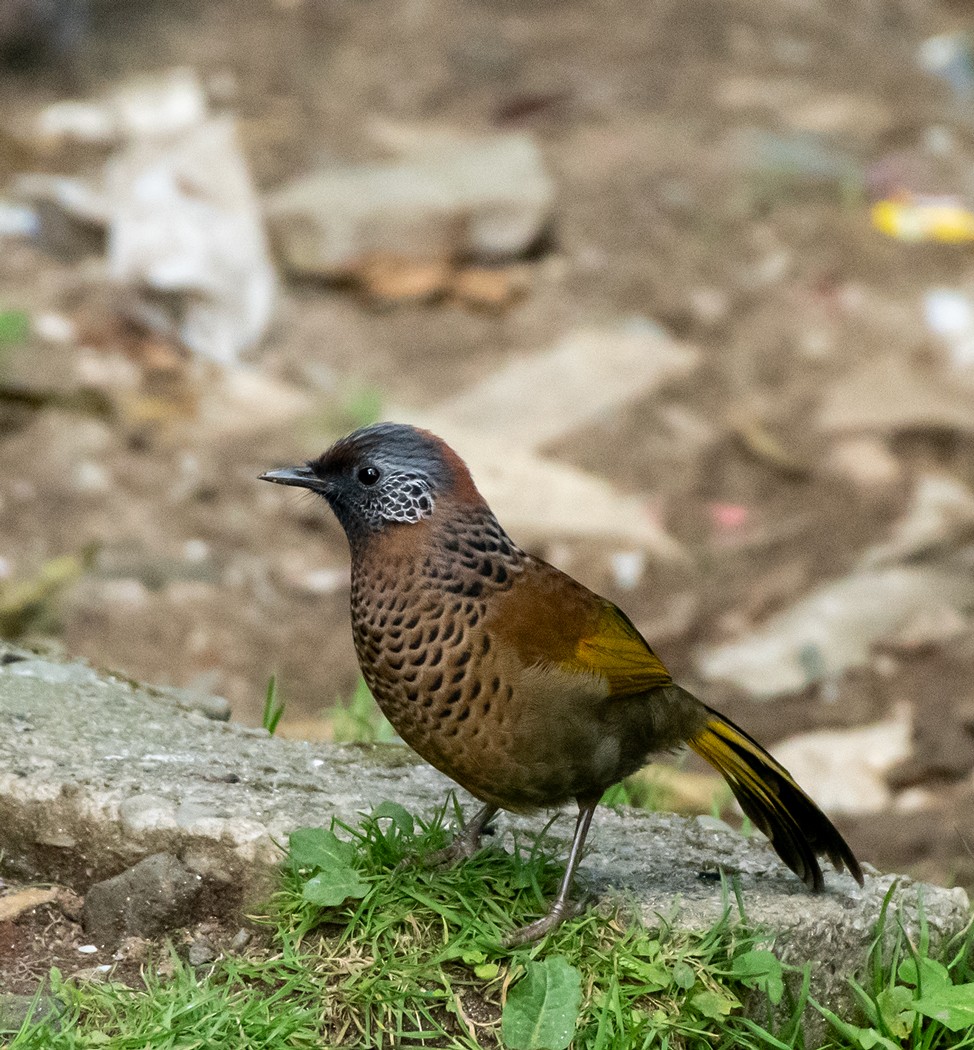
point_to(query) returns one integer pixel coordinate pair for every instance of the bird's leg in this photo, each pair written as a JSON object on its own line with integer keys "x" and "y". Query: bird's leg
{"x": 561, "y": 907}
{"x": 467, "y": 841}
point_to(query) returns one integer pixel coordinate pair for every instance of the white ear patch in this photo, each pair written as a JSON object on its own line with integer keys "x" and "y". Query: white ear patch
{"x": 403, "y": 497}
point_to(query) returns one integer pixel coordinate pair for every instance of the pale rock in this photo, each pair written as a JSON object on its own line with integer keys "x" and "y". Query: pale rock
{"x": 844, "y": 770}
{"x": 833, "y": 628}
{"x": 538, "y": 398}
{"x": 940, "y": 514}
{"x": 185, "y": 222}
{"x": 157, "y": 105}
{"x": 185, "y": 236}
{"x": 538, "y": 498}
{"x": 499, "y": 424}
{"x": 111, "y": 372}
{"x": 866, "y": 461}
{"x": 893, "y": 394}
{"x": 934, "y": 626}
{"x": 915, "y": 800}
{"x": 447, "y": 196}
{"x": 245, "y": 399}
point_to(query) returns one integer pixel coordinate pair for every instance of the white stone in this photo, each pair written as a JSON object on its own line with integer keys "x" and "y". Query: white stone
{"x": 447, "y": 196}
{"x": 588, "y": 373}
{"x": 833, "y": 628}
{"x": 844, "y": 770}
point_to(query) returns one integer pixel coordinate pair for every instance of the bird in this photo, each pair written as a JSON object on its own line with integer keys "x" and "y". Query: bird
{"x": 519, "y": 683}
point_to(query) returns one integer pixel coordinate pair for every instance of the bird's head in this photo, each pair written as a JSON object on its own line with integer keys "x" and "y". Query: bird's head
{"x": 382, "y": 475}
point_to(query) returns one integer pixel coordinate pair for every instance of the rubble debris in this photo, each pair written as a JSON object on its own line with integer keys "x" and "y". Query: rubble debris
{"x": 833, "y": 629}
{"x": 448, "y": 197}
{"x": 153, "y": 896}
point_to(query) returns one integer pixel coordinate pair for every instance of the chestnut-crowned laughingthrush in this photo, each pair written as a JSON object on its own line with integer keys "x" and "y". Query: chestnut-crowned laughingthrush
{"x": 520, "y": 684}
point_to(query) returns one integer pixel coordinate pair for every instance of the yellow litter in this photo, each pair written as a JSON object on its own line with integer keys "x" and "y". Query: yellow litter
{"x": 916, "y": 218}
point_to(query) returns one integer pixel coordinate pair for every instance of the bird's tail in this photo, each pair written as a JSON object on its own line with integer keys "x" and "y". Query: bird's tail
{"x": 797, "y": 828}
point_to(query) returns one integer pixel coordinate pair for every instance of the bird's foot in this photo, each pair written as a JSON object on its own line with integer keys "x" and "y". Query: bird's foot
{"x": 534, "y": 931}
{"x": 463, "y": 847}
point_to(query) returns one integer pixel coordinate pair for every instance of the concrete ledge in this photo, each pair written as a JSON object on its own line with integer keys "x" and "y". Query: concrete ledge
{"x": 97, "y": 773}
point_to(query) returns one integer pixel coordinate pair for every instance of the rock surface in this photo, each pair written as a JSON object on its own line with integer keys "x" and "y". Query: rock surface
{"x": 446, "y": 197}
{"x": 97, "y": 774}
{"x": 151, "y": 897}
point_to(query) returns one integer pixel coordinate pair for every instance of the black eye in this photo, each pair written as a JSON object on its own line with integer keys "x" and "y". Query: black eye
{"x": 369, "y": 475}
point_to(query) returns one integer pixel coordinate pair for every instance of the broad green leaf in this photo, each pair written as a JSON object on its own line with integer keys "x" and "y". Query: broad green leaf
{"x": 896, "y": 1008}
{"x": 683, "y": 975}
{"x": 656, "y": 976}
{"x": 487, "y": 971}
{"x": 714, "y": 1005}
{"x": 929, "y": 977}
{"x": 317, "y": 848}
{"x": 330, "y": 888}
{"x": 953, "y": 1007}
{"x": 760, "y": 968}
{"x": 542, "y": 1009}
{"x": 400, "y": 817}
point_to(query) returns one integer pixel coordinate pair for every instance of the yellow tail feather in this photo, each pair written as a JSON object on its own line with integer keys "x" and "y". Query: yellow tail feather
{"x": 797, "y": 828}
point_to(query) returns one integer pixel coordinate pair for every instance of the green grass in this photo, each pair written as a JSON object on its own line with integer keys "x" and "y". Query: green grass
{"x": 14, "y": 326}
{"x": 912, "y": 999}
{"x": 273, "y": 707}
{"x": 360, "y": 721}
{"x": 367, "y": 948}
{"x": 371, "y": 950}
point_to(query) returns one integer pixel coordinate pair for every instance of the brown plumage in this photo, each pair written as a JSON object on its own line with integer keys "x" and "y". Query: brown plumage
{"x": 520, "y": 684}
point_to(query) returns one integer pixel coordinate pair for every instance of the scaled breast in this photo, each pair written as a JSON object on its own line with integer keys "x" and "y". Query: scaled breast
{"x": 418, "y": 629}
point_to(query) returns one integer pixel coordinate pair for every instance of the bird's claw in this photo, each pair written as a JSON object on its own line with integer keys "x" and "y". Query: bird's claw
{"x": 465, "y": 845}
{"x": 534, "y": 931}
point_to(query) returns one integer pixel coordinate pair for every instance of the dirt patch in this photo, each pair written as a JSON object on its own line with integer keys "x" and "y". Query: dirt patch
{"x": 39, "y": 939}
{"x": 50, "y": 936}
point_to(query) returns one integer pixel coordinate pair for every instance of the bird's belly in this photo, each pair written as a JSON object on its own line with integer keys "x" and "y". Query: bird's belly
{"x": 514, "y": 737}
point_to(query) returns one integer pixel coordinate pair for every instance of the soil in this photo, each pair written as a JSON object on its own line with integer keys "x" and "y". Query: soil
{"x": 51, "y": 936}
{"x": 200, "y": 577}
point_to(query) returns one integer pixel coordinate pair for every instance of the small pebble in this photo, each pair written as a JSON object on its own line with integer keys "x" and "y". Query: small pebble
{"x": 88, "y": 949}
{"x": 201, "y": 951}
{"x": 627, "y": 568}
{"x": 196, "y": 550}
{"x": 55, "y": 328}
{"x": 91, "y": 973}
{"x": 91, "y": 477}
{"x": 241, "y": 939}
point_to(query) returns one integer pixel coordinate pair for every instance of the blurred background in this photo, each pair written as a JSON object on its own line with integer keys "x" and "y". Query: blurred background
{"x": 690, "y": 283}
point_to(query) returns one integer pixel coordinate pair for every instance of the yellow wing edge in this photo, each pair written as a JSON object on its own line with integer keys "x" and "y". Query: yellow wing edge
{"x": 619, "y": 654}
